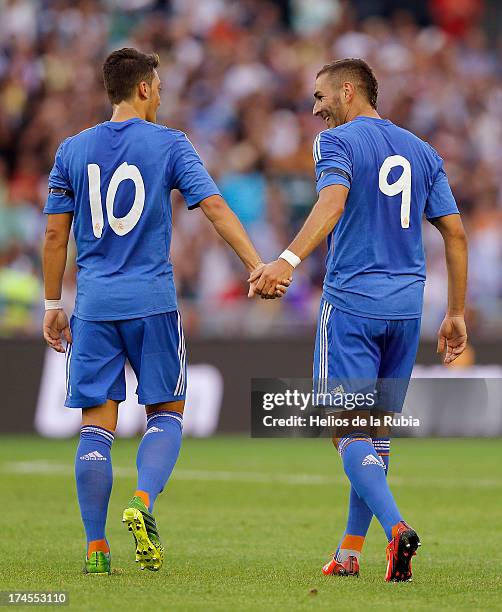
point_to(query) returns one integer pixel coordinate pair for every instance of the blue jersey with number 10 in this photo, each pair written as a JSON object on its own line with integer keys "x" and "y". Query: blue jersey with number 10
{"x": 116, "y": 178}
{"x": 375, "y": 262}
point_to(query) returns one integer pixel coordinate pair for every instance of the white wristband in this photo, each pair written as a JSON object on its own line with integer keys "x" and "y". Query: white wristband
{"x": 53, "y": 304}
{"x": 290, "y": 257}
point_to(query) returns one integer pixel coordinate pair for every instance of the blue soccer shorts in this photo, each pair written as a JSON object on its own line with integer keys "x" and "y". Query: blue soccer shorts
{"x": 358, "y": 354}
{"x": 95, "y": 361}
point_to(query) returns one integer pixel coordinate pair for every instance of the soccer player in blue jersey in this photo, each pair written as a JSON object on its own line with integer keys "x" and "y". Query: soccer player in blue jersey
{"x": 113, "y": 183}
{"x": 375, "y": 181}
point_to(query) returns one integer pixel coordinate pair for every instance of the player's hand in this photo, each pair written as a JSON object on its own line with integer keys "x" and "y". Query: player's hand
{"x": 280, "y": 290}
{"x": 56, "y": 325}
{"x": 271, "y": 280}
{"x": 452, "y": 338}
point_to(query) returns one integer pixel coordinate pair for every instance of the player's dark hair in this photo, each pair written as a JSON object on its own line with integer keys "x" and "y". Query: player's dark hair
{"x": 124, "y": 69}
{"x": 358, "y": 70}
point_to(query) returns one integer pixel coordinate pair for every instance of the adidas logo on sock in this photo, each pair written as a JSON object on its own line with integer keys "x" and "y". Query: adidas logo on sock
{"x": 93, "y": 456}
{"x": 153, "y": 430}
{"x": 371, "y": 460}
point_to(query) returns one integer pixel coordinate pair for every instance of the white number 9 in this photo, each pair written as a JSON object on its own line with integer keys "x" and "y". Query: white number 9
{"x": 402, "y": 185}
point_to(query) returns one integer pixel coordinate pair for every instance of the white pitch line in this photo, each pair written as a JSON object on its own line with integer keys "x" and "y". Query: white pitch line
{"x": 57, "y": 469}
{"x": 257, "y": 477}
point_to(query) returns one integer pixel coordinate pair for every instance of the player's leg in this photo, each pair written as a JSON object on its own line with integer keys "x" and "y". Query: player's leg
{"x": 157, "y": 455}
{"x": 366, "y": 472}
{"x": 156, "y": 350}
{"x": 398, "y": 358}
{"x": 94, "y": 476}
{"x": 359, "y": 515}
{"x": 334, "y": 359}
{"x": 96, "y": 385}
{"x": 159, "y": 449}
{"x": 362, "y": 464}
{"x": 358, "y": 340}
{"x": 346, "y": 559}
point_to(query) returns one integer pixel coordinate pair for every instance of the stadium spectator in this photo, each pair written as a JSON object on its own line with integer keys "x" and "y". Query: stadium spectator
{"x": 237, "y": 79}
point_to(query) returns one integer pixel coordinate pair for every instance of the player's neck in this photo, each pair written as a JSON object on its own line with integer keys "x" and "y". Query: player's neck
{"x": 127, "y": 110}
{"x": 363, "y": 111}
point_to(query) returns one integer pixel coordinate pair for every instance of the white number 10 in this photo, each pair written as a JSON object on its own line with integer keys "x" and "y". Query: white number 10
{"x": 402, "y": 185}
{"x": 120, "y": 225}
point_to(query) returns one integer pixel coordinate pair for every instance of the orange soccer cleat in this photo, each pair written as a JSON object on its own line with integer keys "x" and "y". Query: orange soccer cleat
{"x": 350, "y": 567}
{"x": 400, "y": 550}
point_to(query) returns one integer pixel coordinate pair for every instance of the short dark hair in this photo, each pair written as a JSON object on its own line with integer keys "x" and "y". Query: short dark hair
{"x": 124, "y": 69}
{"x": 356, "y": 69}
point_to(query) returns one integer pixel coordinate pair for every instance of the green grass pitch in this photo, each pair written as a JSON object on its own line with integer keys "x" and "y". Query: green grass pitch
{"x": 249, "y": 523}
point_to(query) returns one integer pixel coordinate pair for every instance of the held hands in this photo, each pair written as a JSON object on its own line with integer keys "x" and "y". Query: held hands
{"x": 56, "y": 324}
{"x": 452, "y": 337}
{"x": 270, "y": 280}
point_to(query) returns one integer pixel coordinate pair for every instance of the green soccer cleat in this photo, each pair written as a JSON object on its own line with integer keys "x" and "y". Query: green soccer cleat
{"x": 99, "y": 564}
{"x": 149, "y": 549}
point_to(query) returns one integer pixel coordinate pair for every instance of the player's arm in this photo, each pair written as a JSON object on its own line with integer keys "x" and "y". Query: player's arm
{"x": 59, "y": 209}
{"x": 199, "y": 190}
{"x": 228, "y": 226}
{"x": 322, "y": 219}
{"x": 441, "y": 210}
{"x": 333, "y": 171}
{"x": 57, "y": 234}
{"x": 55, "y": 249}
{"x": 452, "y": 335}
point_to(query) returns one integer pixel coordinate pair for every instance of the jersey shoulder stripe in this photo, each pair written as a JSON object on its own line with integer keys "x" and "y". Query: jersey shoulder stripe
{"x": 316, "y": 149}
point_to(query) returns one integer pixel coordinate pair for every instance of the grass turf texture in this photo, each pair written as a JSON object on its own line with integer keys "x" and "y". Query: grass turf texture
{"x": 248, "y": 524}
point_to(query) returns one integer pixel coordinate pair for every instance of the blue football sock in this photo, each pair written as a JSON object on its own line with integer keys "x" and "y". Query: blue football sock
{"x": 366, "y": 473}
{"x": 94, "y": 476}
{"x": 360, "y": 516}
{"x": 158, "y": 452}
{"x": 382, "y": 447}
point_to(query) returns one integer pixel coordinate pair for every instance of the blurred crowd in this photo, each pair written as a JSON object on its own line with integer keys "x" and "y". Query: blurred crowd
{"x": 238, "y": 78}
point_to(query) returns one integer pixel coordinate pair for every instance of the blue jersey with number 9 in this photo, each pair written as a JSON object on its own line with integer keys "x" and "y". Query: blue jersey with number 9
{"x": 375, "y": 261}
{"x": 116, "y": 178}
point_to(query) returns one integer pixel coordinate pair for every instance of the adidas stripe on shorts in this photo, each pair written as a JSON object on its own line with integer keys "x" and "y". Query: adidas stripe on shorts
{"x": 95, "y": 361}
